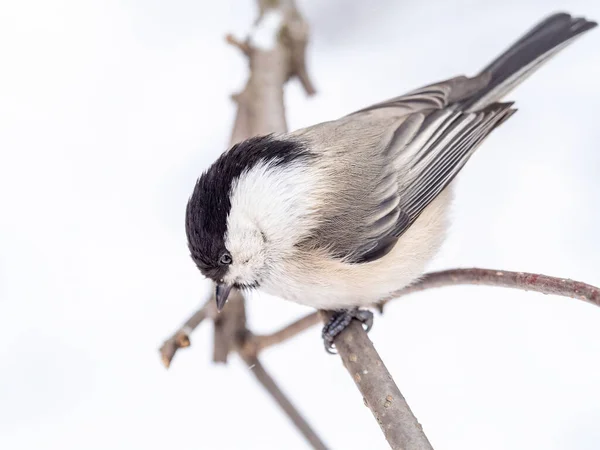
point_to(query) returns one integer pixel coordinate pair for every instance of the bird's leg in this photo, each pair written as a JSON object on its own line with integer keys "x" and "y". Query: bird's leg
{"x": 340, "y": 320}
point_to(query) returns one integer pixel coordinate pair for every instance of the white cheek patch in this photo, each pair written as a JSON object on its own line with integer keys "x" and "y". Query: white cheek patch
{"x": 271, "y": 209}
{"x": 278, "y": 201}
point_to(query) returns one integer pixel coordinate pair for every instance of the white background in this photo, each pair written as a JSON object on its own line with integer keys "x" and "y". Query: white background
{"x": 108, "y": 113}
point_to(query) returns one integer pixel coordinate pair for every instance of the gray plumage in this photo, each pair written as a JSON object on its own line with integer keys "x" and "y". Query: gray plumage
{"x": 406, "y": 150}
{"x": 345, "y": 212}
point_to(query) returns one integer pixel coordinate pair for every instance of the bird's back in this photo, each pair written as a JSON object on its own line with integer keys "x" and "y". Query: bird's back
{"x": 383, "y": 173}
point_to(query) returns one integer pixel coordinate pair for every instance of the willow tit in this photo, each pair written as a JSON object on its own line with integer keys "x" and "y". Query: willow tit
{"x": 341, "y": 214}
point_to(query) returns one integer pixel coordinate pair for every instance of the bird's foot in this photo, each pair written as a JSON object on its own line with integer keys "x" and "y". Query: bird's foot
{"x": 340, "y": 320}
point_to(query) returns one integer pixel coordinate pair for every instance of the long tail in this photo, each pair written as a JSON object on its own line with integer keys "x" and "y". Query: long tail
{"x": 526, "y": 55}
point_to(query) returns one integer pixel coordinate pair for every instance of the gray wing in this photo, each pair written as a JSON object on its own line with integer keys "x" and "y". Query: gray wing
{"x": 386, "y": 163}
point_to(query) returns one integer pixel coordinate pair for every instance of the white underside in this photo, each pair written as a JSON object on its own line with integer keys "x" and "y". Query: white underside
{"x": 321, "y": 282}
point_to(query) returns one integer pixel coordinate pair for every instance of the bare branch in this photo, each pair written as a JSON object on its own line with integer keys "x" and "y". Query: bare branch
{"x": 454, "y": 277}
{"x": 181, "y": 338}
{"x": 302, "y": 75}
{"x": 380, "y": 393}
{"x": 269, "y": 384}
{"x": 241, "y": 125}
{"x": 230, "y": 327}
{"x": 260, "y": 111}
{"x": 503, "y": 278}
{"x": 268, "y": 340}
{"x": 296, "y": 35}
{"x": 370, "y": 375}
{"x": 242, "y": 46}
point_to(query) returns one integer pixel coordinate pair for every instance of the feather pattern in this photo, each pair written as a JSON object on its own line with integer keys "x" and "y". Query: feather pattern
{"x": 343, "y": 213}
{"x": 389, "y": 161}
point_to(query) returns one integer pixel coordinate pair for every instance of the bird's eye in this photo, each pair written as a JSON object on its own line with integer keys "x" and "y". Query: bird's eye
{"x": 225, "y": 259}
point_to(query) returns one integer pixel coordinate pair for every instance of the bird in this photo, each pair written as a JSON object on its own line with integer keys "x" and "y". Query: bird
{"x": 343, "y": 213}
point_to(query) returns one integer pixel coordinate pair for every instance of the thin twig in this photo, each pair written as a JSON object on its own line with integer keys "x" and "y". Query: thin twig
{"x": 262, "y": 342}
{"x": 242, "y": 46}
{"x": 181, "y": 338}
{"x": 380, "y": 393}
{"x": 543, "y": 284}
{"x": 288, "y": 408}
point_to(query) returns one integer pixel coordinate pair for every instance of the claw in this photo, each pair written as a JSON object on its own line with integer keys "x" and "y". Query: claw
{"x": 338, "y": 323}
{"x": 365, "y": 317}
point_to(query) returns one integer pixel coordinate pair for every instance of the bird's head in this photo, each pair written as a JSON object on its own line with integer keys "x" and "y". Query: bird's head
{"x": 236, "y": 218}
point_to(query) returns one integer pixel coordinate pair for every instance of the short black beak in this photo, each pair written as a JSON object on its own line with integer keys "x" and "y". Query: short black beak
{"x": 221, "y": 293}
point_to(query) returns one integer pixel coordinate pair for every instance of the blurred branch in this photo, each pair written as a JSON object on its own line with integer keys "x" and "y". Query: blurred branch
{"x": 242, "y": 46}
{"x": 271, "y": 387}
{"x": 260, "y": 111}
{"x": 275, "y": 49}
{"x": 230, "y": 327}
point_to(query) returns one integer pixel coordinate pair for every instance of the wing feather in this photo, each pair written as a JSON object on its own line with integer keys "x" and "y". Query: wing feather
{"x": 389, "y": 161}
{"x": 406, "y": 151}
{"x": 416, "y": 163}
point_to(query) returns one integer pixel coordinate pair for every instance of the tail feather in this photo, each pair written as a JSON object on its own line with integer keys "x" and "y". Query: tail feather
{"x": 526, "y": 55}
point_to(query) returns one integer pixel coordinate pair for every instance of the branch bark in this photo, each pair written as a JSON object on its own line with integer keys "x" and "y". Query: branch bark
{"x": 380, "y": 392}
{"x": 543, "y": 284}
{"x": 361, "y": 358}
{"x": 263, "y": 342}
{"x": 181, "y": 338}
{"x": 276, "y": 51}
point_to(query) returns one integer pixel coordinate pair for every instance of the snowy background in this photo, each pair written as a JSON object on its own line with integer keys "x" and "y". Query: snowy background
{"x": 110, "y": 110}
